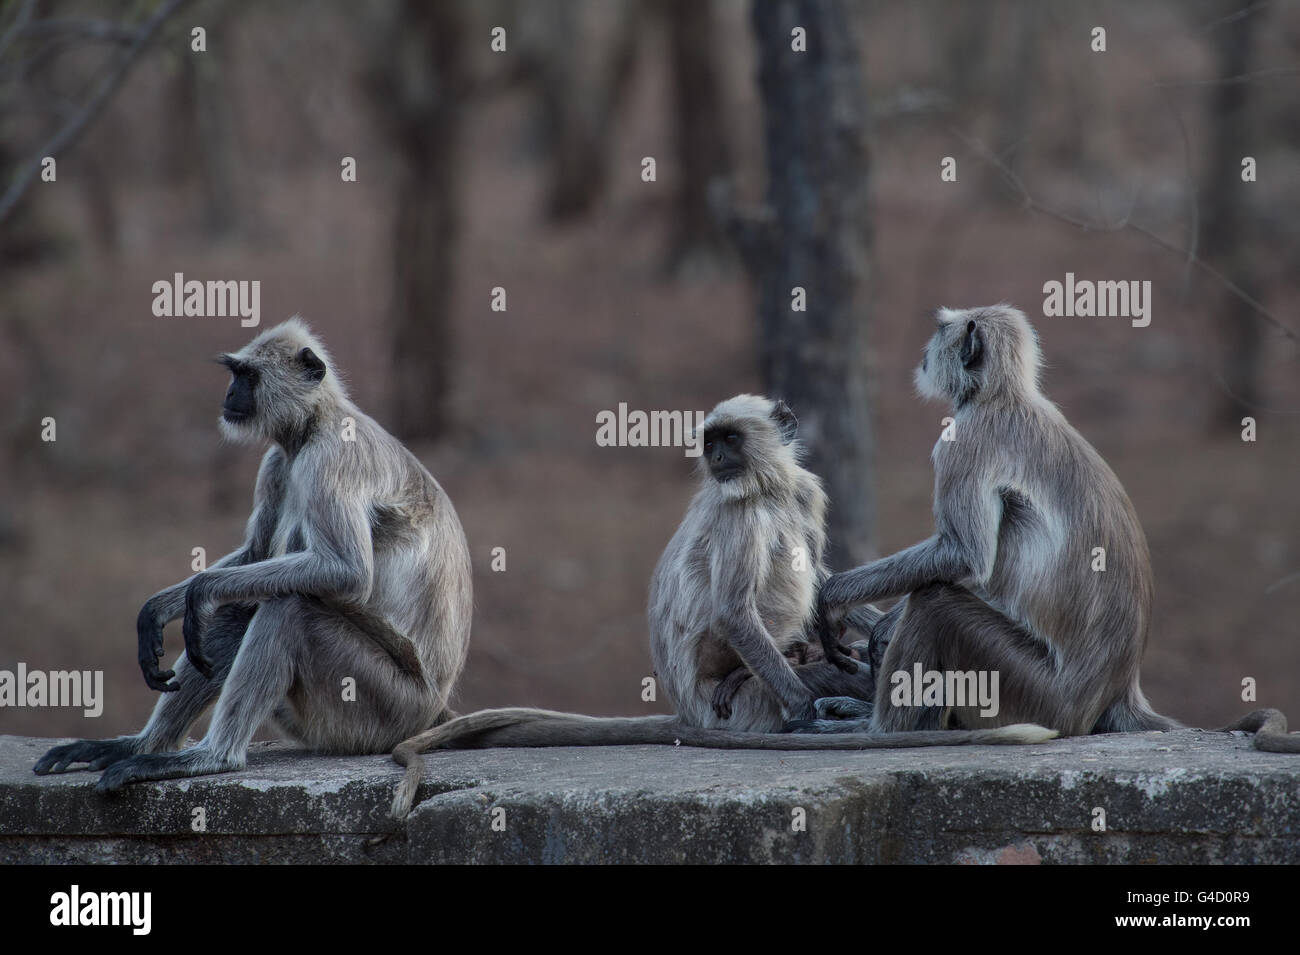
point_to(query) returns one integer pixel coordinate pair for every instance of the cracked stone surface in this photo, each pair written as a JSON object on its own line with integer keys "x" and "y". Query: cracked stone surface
{"x": 1183, "y": 797}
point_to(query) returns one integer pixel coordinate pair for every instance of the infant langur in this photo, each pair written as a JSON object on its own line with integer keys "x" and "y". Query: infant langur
{"x": 343, "y": 618}
{"x": 1038, "y": 570}
{"x": 733, "y": 592}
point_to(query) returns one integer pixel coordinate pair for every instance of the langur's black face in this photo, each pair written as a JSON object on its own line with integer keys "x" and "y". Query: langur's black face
{"x": 241, "y": 397}
{"x": 724, "y": 449}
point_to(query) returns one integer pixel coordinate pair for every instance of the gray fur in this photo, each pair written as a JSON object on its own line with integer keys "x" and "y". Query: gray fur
{"x": 727, "y": 592}
{"x": 354, "y": 566}
{"x": 1006, "y": 583}
{"x": 727, "y": 600}
{"x": 1269, "y": 727}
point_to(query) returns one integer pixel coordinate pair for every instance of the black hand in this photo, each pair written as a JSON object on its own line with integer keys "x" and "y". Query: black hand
{"x": 830, "y": 641}
{"x": 149, "y": 636}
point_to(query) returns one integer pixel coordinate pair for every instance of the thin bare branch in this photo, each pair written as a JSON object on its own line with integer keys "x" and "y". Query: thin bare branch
{"x": 87, "y": 27}
{"x": 1027, "y": 201}
{"x": 1279, "y": 584}
{"x": 1269, "y": 73}
{"x": 72, "y": 130}
{"x": 1236, "y": 15}
{"x": 21, "y": 20}
{"x": 1193, "y": 207}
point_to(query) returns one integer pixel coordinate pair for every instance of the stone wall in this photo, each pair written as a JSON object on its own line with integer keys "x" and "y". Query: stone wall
{"x": 1186, "y": 797}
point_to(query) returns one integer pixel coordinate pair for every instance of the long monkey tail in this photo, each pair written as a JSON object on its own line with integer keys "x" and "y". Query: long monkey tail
{"x": 407, "y": 753}
{"x": 1269, "y": 727}
{"x": 529, "y": 727}
{"x": 521, "y": 726}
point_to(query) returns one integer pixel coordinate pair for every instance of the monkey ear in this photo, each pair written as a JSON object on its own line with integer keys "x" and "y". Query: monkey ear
{"x": 315, "y": 367}
{"x": 785, "y": 420}
{"x": 972, "y": 346}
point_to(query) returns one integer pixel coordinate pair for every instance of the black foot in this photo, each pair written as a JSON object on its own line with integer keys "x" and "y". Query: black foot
{"x": 97, "y": 753}
{"x": 189, "y": 762}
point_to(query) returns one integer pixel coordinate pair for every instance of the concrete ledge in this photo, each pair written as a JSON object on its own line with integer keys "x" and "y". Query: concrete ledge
{"x": 1184, "y": 797}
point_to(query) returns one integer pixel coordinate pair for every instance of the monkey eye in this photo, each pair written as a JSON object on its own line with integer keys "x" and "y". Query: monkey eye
{"x": 732, "y": 438}
{"x": 708, "y": 445}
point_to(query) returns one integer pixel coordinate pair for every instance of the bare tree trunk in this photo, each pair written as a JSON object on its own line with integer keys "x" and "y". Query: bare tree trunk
{"x": 201, "y": 135}
{"x": 1224, "y": 241}
{"x": 1017, "y": 85}
{"x": 703, "y": 154}
{"x": 816, "y": 235}
{"x": 966, "y": 50}
{"x": 419, "y": 86}
{"x": 97, "y": 192}
{"x": 582, "y": 59}
{"x": 217, "y": 160}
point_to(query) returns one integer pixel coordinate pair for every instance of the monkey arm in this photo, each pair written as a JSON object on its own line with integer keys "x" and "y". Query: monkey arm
{"x": 168, "y": 604}
{"x": 967, "y": 513}
{"x": 737, "y": 620}
{"x": 337, "y": 566}
{"x": 745, "y": 632}
{"x": 932, "y": 559}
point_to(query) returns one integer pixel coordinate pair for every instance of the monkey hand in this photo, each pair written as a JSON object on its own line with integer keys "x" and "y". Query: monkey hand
{"x": 149, "y": 634}
{"x": 198, "y": 611}
{"x": 830, "y": 627}
{"x": 726, "y": 689}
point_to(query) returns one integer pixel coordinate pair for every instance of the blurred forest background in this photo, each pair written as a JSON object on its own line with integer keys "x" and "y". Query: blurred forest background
{"x": 522, "y": 169}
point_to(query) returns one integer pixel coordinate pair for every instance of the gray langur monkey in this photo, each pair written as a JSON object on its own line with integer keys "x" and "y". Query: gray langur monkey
{"x": 1010, "y": 583}
{"x": 733, "y": 592}
{"x": 344, "y": 617}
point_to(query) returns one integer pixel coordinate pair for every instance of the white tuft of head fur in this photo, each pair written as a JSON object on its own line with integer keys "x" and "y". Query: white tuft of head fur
{"x": 286, "y": 399}
{"x": 772, "y": 459}
{"x": 1009, "y": 362}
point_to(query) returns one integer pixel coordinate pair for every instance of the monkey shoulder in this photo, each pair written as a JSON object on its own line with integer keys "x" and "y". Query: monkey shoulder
{"x": 809, "y": 494}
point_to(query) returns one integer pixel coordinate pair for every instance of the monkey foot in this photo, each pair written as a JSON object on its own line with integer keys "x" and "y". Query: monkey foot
{"x": 842, "y": 708}
{"x": 96, "y": 753}
{"x": 195, "y": 761}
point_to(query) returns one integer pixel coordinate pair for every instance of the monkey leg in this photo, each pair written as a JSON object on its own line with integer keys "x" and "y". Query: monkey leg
{"x": 175, "y": 712}
{"x": 350, "y": 696}
{"x": 178, "y": 711}
{"x": 314, "y": 672}
{"x": 947, "y": 628}
{"x": 255, "y": 682}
